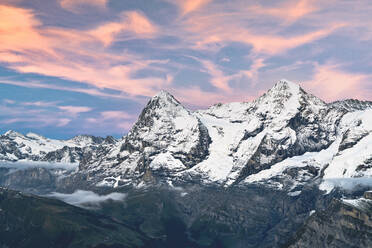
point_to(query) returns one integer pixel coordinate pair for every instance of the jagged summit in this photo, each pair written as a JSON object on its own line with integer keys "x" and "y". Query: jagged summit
{"x": 351, "y": 104}
{"x": 164, "y": 98}
{"x": 285, "y": 84}
{"x": 283, "y": 89}
{"x": 12, "y": 133}
{"x": 34, "y": 136}
{"x": 286, "y": 96}
{"x": 163, "y": 94}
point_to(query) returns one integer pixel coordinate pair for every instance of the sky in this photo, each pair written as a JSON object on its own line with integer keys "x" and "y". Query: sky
{"x": 71, "y": 67}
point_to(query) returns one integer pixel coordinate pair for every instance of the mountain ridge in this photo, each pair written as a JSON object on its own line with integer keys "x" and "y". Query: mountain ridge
{"x": 285, "y": 139}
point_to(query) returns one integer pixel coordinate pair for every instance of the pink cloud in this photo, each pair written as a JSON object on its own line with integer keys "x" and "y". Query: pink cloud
{"x": 77, "y": 55}
{"x": 63, "y": 122}
{"x": 331, "y": 83}
{"x": 18, "y": 25}
{"x": 119, "y": 119}
{"x": 221, "y": 23}
{"x": 218, "y": 80}
{"x": 195, "y": 97}
{"x": 188, "y": 6}
{"x": 221, "y": 80}
{"x": 206, "y": 33}
{"x": 40, "y": 104}
{"x": 131, "y": 21}
{"x": 290, "y": 11}
{"x": 110, "y": 115}
{"x": 75, "y": 110}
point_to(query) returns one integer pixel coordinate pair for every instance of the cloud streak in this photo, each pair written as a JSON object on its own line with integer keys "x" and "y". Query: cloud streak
{"x": 331, "y": 83}
{"x": 87, "y": 199}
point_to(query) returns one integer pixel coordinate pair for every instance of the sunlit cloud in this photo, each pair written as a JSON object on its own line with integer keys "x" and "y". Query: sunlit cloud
{"x": 187, "y": 6}
{"x": 75, "y": 110}
{"x": 207, "y": 33}
{"x": 119, "y": 119}
{"x": 66, "y": 53}
{"x": 218, "y": 80}
{"x": 18, "y": 25}
{"x": 196, "y": 98}
{"x": 331, "y": 83}
{"x": 110, "y": 115}
{"x": 290, "y": 11}
{"x": 133, "y": 21}
{"x": 40, "y": 104}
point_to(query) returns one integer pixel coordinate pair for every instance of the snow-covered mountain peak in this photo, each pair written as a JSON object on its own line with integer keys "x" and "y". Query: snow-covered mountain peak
{"x": 280, "y": 92}
{"x": 34, "y": 136}
{"x": 12, "y": 134}
{"x": 286, "y": 85}
{"x": 286, "y": 99}
{"x": 84, "y": 140}
{"x": 164, "y": 98}
{"x": 283, "y": 99}
{"x": 351, "y": 105}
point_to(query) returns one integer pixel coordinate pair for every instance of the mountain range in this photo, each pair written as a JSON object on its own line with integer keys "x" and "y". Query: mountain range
{"x": 284, "y": 139}
{"x": 288, "y": 151}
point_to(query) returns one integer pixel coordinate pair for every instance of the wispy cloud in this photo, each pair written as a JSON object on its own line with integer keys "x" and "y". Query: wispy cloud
{"x": 187, "y": 6}
{"x": 40, "y": 104}
{"x": 89, "y": 91}
{"x": 132, "y": 21}
{"x": 331, "y": 83}
{"x": 87, "y": 199}
{"x": 119, "y": 119}
{"x": 77, "y": 55}
{"x": 39, "y": 113}
{"x": 75, "y": 110}
{"x": 289, "y": 11}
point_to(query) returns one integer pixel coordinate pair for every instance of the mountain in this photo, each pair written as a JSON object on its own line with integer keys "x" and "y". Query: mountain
{"x": 15, "y": 147}
{"x": 285, "y": 139}
{"x": 244, "y": 174}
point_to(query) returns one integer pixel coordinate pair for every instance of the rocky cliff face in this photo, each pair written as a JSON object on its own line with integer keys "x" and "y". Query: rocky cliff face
{"x": 345, "y": 223}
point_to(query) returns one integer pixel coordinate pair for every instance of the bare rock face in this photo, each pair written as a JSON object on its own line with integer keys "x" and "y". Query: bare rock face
{"x": 368, "y": 195}
{"x": 345, "y": 223}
